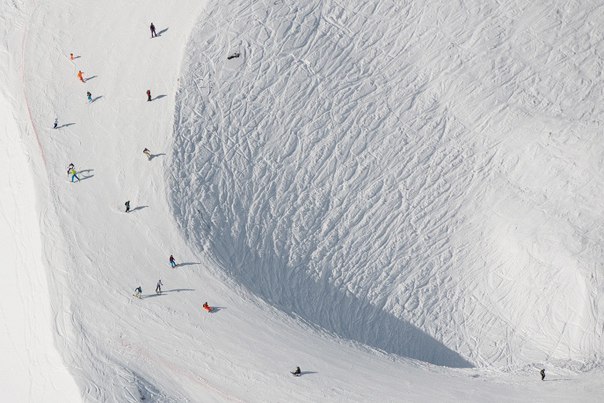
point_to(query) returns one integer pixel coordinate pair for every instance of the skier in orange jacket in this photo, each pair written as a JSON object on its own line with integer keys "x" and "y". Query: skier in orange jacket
{"x": 81, "y": 76}
{"x": 207, "y": 307}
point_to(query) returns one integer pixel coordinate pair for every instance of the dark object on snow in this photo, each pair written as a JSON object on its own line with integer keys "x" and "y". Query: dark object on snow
{"x": 152, "y": 28}
{"x": 56, "y": 123}
{"x": 542, "y": 372}
{"x": 233, "y": 56}
{"x": 297, "y": 372}
{"x": 148, "y": 95}
{"x": 127, "y": 206}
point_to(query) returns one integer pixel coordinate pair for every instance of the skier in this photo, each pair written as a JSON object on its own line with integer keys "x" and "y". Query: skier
{"x": 148, "y": 95}
{"x": 542, "y": 372}
{"x": 127, "y": 206}
{"x": 297, "y": 372}
{"x": 71, "y": 171}
{"x": 70, "y": 167}
{"x": 81, "y": 76}
{"x": 207, "y": 307}
{"x": 147, "y": 153}
{"x": 152, "y": 28}
{"x": 89, "y": 96}
{"x": 138, "y": 291}
{"x": 172, "y": 261}
{"x": 56, "y": 124}
{"x": 71, "y": 56}
{"x": 158, "y": 287}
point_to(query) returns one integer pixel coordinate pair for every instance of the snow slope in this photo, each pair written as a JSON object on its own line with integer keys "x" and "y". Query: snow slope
{"x": 32, "y": 368}
{"x": 378, "y": 173}
{"x": 433, "y": 185}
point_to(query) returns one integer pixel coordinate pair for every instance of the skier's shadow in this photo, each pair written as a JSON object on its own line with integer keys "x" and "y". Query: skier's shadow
{"x": 90, "y": 78}
{"x": 307, "y": 373}
{"x": 138, "y": 208}
{"x": 85, "y": 172}
{"x": 76, "y": 57}
{"x": 178, "y": 290}
{"x": 95, "y": 99}
{"x": 162, "y": 31}
{"x": 65, "y": 125}
{"x": 216, "y": 309}
{"x": 158, "y": 97}
{"x": 155, "y": 155}
{"x": 186, "y": 264}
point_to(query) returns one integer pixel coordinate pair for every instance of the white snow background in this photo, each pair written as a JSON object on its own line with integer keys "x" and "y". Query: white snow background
{"x": 402, "y": 198}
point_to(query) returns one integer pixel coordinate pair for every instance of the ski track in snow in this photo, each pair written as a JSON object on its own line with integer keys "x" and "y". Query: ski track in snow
{"x": 422, "y": 190}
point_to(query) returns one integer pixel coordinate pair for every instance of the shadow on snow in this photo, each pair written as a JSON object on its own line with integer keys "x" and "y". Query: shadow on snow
{"x": 318, "y": 302}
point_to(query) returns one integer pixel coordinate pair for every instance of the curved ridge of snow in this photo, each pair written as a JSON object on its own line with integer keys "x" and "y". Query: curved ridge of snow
{"x": 398, "y": 181}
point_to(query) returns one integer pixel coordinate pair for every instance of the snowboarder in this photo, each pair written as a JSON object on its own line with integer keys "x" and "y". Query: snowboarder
{"x": 297, "y": 372}
{"x": 138, "y": 291}
{"x": 147, "y": 153}
{"x": 70, "y": 167}
{"x": 56, "y": 124}
{"x": 74, "y": 175}
{"x": 158, "y": 287}
{"x": 152, "y": 28}
{"x": 542, "y": 372}
{"x": 172, "y": 261}
{"x": 81, "y": 76}
{"x": 127, "y": 204}
{"x": 148, "y": 95}
{"x": 89, "y": 96}
{"x": 207, "y": 307}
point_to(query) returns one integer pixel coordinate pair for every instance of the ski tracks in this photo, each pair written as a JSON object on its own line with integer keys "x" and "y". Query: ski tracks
{"x": 336, "y": 153}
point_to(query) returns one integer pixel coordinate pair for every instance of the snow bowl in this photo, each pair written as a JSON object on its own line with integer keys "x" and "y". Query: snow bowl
{"x": 349, "y": 170}
{"x": 280, "y": 176}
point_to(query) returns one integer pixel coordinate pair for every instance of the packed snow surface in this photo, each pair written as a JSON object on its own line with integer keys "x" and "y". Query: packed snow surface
{"x": 392, "y": 195}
